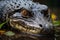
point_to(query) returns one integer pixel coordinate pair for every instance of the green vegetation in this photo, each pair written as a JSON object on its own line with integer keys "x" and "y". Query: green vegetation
{"x": 56, "y": 23}
{"x": 1, "y": 25}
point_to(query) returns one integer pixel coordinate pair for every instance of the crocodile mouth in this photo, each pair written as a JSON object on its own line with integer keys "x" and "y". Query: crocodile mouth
{"x": 23, "y": 27}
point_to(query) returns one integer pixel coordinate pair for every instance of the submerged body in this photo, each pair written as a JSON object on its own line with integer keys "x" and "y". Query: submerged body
{"x": 26, "y": 15}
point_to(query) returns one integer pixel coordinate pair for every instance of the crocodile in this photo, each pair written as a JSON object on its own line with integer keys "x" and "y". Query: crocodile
{"x": 26, "y": 15}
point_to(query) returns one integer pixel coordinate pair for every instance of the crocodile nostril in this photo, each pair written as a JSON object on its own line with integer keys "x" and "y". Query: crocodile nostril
{"x": 40, "y": 25}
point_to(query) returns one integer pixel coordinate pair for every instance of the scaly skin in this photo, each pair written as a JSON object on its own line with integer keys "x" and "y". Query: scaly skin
{"x": 25, "y": 15}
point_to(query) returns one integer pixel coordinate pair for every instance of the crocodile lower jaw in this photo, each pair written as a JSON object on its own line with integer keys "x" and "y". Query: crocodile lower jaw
{"x": 25, "y": 29}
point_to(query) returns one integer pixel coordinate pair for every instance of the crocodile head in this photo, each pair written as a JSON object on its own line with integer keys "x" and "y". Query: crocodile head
{"x": 26, "y": 15}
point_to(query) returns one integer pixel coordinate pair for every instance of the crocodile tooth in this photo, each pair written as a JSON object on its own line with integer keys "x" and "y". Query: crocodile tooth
{"x": 30, "y": 30}
{"x": 20, "y": 27}
{"x": 27, "y": 30}
{"x": 17, "y": 25}
{"x": 33, "y": 31}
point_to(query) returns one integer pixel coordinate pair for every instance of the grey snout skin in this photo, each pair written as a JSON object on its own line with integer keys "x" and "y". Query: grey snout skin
{"x": 48, "y": 28}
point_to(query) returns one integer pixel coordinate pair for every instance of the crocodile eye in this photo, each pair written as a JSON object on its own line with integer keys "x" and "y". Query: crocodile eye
{"x": 25, "y": 13}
